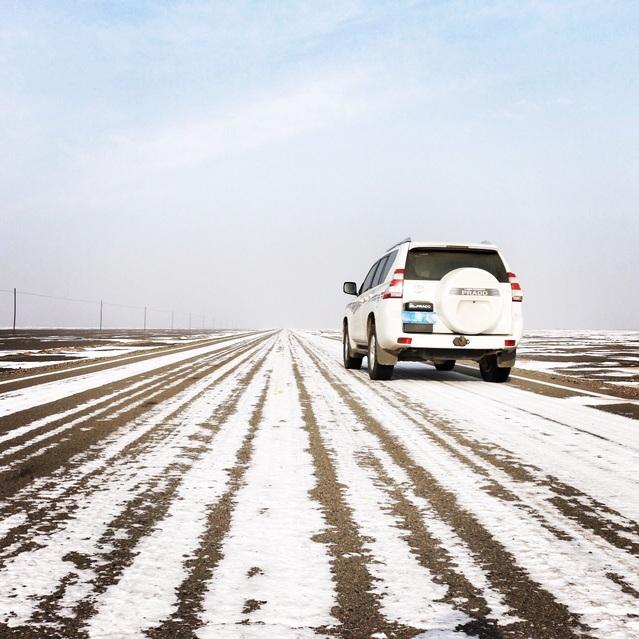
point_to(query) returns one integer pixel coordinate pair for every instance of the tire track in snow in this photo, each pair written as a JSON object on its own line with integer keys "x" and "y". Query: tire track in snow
{"x": 145, "y": 565}
{"x": 65, "y": 384}
{"x": 544, "y": 497}
{"x": 45, "y": 433}
{"x": 26, "y": 429}
{"x": 273, "y": 578}
{"x": 198, "y": 568}
{"x": 541, "y": 496}
{"x": 69, "y": 480}
{"x": 540, "y": 613}
{"x": 460, "y": 582}
{"x": 64, "y": 445}
{"x": 544, "y": 420}
{"x": 583, "y": 570}
{"x": 358, "y": 609}
{"x": 86, "y": 537}
{"x": 426, "y": 524}
{"x": 431, "y": 552}
{"x": 29, "y": 378}
{"x": 541, "y": 489}
{"x": 49, "y": 503}
{"x": 31, "y": 421}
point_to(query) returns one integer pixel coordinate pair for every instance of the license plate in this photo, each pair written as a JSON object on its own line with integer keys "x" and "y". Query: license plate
{"x": 419, "y": 317}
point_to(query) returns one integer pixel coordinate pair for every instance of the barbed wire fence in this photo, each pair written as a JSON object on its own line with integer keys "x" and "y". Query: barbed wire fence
{"x": 97, "y": 314}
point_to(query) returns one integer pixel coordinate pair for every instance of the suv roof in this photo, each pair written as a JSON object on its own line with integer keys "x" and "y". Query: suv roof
{"x": 441, "y": 244}
{"x": 471, "y": 245}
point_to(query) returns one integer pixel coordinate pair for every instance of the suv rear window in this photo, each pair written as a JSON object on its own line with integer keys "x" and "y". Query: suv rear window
{"x": 433, "y": 264}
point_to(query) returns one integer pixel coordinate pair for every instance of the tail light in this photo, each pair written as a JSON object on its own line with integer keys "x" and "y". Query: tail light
{"x": 396, "y": 285}
{"x": 515, "y": 287}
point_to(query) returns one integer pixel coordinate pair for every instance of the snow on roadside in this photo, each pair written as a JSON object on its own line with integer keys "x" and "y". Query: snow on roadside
{"x": 111, "y": 347}
{"x": 539, "y": 496}
{"x": 592, "y": 354}
{"x": 10, "y": 522}
{"x": 596, "y": 452}
{"x": 70, "y": 355}
{"x": 271, "y": 533}
{"x": 125, "y": 402}
{"x": 146, "y": 591}
{"x": 147, "y": 464}
{"x": 31, "y": 396}
{"x": 36, "y": 573}
{"x": 121, "y": 397}
{"x": 570, "y": 369}
{"x": 39, "y": 423}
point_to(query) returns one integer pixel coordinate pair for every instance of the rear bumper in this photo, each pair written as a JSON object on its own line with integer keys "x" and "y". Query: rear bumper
{"x": 436, "y": 348}
{"x": 444, "y": 342}
{"x": 505, "y": 357}
{"x": 389, "y": 327}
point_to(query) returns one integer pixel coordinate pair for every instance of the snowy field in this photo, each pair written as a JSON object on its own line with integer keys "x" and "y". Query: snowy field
{"x": 250, "y": 486}
{"x": 609, "y": 357}
{"x": 41, "y": 348}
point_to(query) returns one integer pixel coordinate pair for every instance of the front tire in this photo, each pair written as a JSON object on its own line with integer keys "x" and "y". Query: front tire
{"x": 446, "y": 365}
{"x": 375, "y": 369}
{"x": 350, "y": 362}
{"x": 490, "y": 372}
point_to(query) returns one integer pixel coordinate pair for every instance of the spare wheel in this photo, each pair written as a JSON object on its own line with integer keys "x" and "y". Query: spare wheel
{"x": 469, "y": 301}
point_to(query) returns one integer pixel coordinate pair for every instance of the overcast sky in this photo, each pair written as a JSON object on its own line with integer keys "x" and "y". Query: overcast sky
{"x": 242, "y": 159}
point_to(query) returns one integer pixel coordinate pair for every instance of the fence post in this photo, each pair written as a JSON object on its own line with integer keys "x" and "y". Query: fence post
{"x": 145, "y": 318}
{"x": 189, "y": 321}
{"x": 15, "y": 307}
{"x": 172, "y": 313}
{"x": 101, "y": 304}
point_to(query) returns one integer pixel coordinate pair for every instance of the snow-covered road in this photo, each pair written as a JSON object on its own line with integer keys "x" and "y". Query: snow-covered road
{"x": 255, "y": 488}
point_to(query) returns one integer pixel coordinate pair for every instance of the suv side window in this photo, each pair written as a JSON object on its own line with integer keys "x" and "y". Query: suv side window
{"x": 366, "y": 284}
{"x": 387, "y": 262}
{"x": 380, "y": 269}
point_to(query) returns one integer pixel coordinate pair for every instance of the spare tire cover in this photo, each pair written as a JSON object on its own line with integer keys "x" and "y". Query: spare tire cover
{"x": 469, "y": 301}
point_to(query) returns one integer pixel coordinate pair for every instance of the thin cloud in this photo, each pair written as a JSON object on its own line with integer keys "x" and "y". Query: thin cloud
{"x": 189, "y": 142}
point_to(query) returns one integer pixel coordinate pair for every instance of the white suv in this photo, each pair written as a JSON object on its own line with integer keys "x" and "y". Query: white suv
{"x": 438, "y": 302}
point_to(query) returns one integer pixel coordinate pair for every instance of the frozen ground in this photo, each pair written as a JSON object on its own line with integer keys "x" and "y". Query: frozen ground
{"x": 250, "y": 486}
{"x": 608, "y": 357}
{"x": 39, "y": 348}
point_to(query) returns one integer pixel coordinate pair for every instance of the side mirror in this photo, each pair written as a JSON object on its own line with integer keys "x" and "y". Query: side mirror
{"x": 350, "y": 288}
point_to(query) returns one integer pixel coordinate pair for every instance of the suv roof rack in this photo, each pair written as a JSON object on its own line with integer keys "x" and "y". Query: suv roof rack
{"x": 407, "y": 239}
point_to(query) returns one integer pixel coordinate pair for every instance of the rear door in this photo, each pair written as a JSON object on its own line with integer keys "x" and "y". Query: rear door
{"x": 425, "y": 267}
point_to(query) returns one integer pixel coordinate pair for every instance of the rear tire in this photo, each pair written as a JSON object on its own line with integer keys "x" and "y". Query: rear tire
{"x": 350, "y": 362}
{"x": 447, "y": 365}
{"x": 375, "y": 369}
{"x": 490, "y": 372}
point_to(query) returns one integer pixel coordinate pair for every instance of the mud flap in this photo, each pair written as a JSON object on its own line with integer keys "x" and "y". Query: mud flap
{"x": 506, "y": 359}
{"x": 385, "y": 358}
